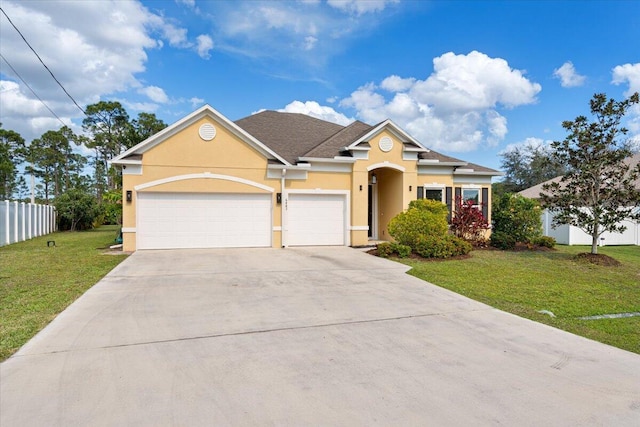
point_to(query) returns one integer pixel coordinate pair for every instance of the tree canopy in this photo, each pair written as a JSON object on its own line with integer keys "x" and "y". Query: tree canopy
{"x": 599, "y": 188}
{"x": 62, "y": 172}
{"x": 527, "y": 165}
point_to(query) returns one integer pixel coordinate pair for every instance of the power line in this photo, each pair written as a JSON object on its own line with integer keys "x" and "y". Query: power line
{"x": 42, "y": 62}
{"x": 32, "y": 91}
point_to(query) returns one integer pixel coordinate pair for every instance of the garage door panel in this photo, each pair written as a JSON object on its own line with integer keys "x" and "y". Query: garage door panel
{"x": 316, "y": 219}
{"x": 203, "y": 220}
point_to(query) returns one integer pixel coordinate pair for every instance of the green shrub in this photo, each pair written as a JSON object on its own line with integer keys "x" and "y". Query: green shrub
{"x": 518, "y": 217}
{"x": 77, "y": 210}
{"x": 433, "y": 206}
{"x": 445, "y": 246}
{"x": 502, "y": 240}
{"x": 403, "y": 251}
{"x": 544, "y": 241}
{"x": 387, "y": 249}
{"x": 418, "y": 220}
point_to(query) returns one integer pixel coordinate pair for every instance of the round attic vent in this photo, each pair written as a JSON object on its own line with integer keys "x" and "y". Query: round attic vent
{"x": 385, "y": 144}
{"x": 207, "y": 132}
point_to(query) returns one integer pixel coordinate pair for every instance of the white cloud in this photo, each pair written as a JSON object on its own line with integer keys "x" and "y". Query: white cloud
{"x": 360, "y": 7}
{"x": 306, "y": 33}
{"x": 568, "y": 75}
{"x": 313, "y": 109}
{"x": 310, "y": 42}
{"x": 154, "y": 93}
{"x": 190, "y": 3}
{"x": 453, "y": 109}
{"x": 204, "y": 45}
{"x": 530, "y": 143}
{"x": 196, "y": 102}
{"x": 95, "y": 49}
{"x": 627, "y": 73}
{"x": 397, "y": 84}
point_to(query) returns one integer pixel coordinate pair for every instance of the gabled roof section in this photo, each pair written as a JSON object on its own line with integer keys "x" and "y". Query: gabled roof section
{"x": 535, "y": 191}
{"x": 390, "y": 125}
{"x": 134, "y": 153}
{"x": 291, "y": 135}
{"x": 334, "y": 145}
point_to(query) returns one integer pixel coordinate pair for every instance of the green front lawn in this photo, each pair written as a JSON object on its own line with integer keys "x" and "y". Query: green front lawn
{"x": 38, "y": 282}
{"x": 524, "y": 283}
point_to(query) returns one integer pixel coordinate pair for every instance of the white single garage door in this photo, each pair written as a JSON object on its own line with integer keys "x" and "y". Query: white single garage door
{"x": 203, "y": 220}
{"x": 316, "y": 219}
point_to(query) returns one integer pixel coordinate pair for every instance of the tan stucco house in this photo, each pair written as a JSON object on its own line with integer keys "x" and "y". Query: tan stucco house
{"x": 281, "y": 179}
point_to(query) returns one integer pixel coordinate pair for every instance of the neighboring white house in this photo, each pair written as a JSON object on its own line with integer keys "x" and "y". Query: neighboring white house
{"x": 570, "y": 235}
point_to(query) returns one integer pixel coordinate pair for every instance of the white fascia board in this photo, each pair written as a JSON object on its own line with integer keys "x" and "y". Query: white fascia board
{"x": 432, "y": 162}
{"x": 205, "y": 110}
{"x": 416, "y": 149}
{"x": 471, "y": 172}
{"x": 471, "y": 180}
{"x": 299, "y": 166}
{"x": 327, "y": 160}
{"x": 128, "y": 162}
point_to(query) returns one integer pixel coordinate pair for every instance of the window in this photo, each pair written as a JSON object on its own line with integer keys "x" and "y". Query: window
{"x": 433, "y": 194}
{"x": 472, "y": 194}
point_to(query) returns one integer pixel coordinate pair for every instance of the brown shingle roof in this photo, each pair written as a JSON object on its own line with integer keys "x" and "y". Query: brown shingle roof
{"x": 291, "y": 135}
{"x": 294, "y": 135}
{"x": 332, "y": 145}
{"x": 433, "y": 155}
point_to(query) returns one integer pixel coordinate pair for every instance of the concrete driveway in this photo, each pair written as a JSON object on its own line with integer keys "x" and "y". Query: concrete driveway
{"x": 305, "y": 336}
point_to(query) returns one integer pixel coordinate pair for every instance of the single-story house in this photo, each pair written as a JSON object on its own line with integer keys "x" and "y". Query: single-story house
{"x": 571, "y": 235}
{"x": 277, "y": 179}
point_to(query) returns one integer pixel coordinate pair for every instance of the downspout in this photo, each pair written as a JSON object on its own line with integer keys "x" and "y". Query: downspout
{"x": 283, "y": 208}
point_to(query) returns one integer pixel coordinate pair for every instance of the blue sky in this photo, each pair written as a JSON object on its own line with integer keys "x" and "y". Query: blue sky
{"x": 466, "y": 78}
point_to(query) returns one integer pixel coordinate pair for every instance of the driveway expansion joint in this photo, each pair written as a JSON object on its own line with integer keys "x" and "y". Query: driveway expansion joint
{"x": 259, "y": 331}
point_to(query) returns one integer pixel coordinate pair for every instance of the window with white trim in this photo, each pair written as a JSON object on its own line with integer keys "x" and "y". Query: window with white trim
{"x": 472, "y": 194}
{"x": 433, "y": 193}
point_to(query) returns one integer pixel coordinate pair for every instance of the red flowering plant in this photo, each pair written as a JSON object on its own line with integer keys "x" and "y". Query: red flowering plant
{"x": 468, "y": 223}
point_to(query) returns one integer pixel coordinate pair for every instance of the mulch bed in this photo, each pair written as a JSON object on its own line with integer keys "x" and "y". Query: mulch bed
{"x": 598, "y": 259}
{"x": 374, "y": 252}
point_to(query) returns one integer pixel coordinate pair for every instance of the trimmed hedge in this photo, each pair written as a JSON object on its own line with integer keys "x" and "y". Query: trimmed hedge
{"x": 445, "y": 246}
{"x": 424, "y": 217}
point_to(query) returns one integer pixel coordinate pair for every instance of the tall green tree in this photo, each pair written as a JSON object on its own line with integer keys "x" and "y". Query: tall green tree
{"x": 53, "y": 162}
{"x": 12, "y": 150}
{"x": 598, "y": 190}
{"x": 108, "y": 124}
{"x": 527, "y": 165}
{"x": 141, "y": 128}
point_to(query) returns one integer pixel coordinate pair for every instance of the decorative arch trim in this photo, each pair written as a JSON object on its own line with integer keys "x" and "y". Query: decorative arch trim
{"x": 205, "y": 175}
{"x": 385, "y": 165}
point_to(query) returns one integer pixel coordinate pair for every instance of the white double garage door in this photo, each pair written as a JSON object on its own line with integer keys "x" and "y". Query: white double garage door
{"x": 220, "y": 220}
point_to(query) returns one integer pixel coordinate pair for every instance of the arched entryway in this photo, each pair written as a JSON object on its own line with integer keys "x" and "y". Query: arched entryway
{"x": 385, "y": 200}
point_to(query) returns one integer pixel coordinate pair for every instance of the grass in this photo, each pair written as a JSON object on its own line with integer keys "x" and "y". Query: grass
{"x": 38, "y": 282}
{"x": 523, "y": 283}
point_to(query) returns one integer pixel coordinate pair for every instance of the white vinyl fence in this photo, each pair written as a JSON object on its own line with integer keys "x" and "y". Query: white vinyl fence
{"x": 20, "y": 221}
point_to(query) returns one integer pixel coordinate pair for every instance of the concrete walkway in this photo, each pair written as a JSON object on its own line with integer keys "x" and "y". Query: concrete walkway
{"x": 305, "y": 336}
